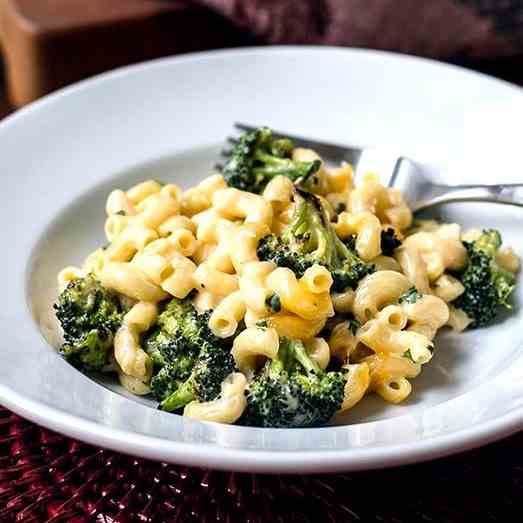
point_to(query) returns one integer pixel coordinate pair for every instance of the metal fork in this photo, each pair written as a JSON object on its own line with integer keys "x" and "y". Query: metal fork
{"x": 412, "y": 178}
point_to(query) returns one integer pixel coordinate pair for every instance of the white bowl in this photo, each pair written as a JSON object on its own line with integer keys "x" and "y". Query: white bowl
{"x": 166, "y": 119}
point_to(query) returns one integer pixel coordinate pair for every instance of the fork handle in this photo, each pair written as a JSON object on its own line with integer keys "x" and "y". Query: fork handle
{"x": 509, "y": 193}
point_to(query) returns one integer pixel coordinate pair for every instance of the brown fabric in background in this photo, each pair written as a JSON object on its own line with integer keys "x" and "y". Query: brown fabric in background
{"x": 436, "y": 28}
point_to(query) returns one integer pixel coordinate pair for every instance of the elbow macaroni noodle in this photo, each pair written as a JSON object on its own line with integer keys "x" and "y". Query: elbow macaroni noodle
{"x": 342, "y": 341}
{"x": 252, "y": 346}
{"x": 135, "y": 366}
{"x": 296, "y": 297}
{"x": 367, "y": 228}
{"x": 440, "y": 250}
{"x": 319, "y": 351}
{"x": 376, "y": 290}
{"x": 226, "y": 316}
{"x": 202, "y": 243}
{"x": 413, "y": 267}
{"x": 227, "y": 408}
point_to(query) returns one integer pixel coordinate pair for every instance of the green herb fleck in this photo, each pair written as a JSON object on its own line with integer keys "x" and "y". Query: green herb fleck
{"x": 353, "y": 325}
{"x": 407, "y": 354}
{"x": 274, "y": 303}
{"x": 411, "y": 296}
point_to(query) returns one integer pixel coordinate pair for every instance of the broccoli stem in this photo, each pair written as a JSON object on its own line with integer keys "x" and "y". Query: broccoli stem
{"x": 275, "y": 166}
{"x": 504, "y": 282}
{"x": 276, "y": 366}
{"x": 489, "y": 242}
{"x": 178, "y": 399}
{"x": 291, "y": 351}
{"x": 300, "y": 354}
{"x": 282, "y": 147}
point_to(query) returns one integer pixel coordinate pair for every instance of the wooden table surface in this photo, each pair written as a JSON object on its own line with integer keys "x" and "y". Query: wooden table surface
{"x": 5, "y": 107}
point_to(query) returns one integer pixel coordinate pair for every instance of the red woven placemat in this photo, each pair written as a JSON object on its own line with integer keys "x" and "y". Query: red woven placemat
{"x": 45, "y": 477}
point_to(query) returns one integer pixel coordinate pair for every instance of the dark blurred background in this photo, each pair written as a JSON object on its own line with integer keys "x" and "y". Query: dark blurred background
{"x": 47, "y": 44}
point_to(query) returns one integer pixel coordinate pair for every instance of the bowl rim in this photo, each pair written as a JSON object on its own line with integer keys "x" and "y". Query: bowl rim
{"x": 259, "y": 460}
{"x": 268, "y": 49}
{"x": 325, "y": 460}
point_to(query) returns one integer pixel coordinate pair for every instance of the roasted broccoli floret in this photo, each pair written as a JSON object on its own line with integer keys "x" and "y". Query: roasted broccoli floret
{"x": 90, "y": 315}
{"x": 171, "y": 375}
{"x": 212, "y": 365}
{"x": 411, "y": 296}
{"x": 258, "y": 157}
{"x": 292, "y": 391}
{"x": 178, "y": 332}
{"x": 308, "y": 239}
{"x": 389, "y": 241}
{"x": 487, "y": 285}
{"x": 190, "y": 361}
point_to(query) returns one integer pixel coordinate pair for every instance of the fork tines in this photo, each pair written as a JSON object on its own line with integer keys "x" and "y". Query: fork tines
{"x": 242, "y": 127}
{"x": 226, "y": 152}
